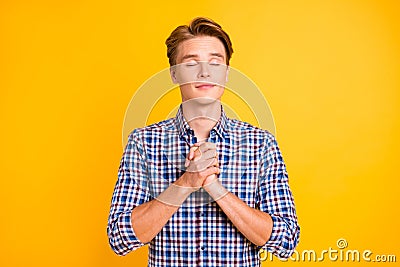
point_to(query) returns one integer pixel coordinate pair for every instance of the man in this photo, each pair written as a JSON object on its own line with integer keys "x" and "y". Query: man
{"x": 202, "y": 189}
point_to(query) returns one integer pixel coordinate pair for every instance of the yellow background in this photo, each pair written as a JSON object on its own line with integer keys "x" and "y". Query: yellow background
{"x": 68, "y": 69}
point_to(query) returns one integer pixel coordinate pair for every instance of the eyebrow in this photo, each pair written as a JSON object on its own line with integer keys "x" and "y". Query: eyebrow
{"x": 195, "y": 56}
{"x": 189, "y": 56}
{"x": 217, "y": 55}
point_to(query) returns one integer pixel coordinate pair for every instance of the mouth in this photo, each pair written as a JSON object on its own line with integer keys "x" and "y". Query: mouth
{"x": 204, "y": 86}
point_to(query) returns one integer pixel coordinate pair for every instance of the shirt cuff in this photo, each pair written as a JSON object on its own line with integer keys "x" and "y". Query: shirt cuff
{"x": 282, "y": 241}
{"x": 127, "y": 234}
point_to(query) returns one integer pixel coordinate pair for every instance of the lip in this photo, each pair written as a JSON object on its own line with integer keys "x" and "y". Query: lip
{"x": 204, "y": 86}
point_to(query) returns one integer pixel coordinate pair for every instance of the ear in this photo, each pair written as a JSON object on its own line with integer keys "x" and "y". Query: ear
{"x": 172, "y": 72}
{"x": 227, "y": 73}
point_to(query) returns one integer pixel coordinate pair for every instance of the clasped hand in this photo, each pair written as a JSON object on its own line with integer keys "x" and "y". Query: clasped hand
{"x": 201, "y": 165}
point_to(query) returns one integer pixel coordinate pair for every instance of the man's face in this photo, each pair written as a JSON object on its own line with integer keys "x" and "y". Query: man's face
{"x": 200, "y": 68}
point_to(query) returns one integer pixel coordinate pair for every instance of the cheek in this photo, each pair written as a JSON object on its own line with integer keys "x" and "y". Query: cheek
{"x": 185, "y": 76}
{"x": 219, "y": 76}
{"x": 186, "y": 89}
{"x": 221, "y": 90}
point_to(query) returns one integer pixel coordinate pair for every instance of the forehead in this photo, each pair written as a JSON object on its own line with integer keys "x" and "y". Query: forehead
{"x": 201, "y": 45}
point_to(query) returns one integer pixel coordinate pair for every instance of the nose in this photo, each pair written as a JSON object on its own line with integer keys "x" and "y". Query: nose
{"x": 204, "y": 71}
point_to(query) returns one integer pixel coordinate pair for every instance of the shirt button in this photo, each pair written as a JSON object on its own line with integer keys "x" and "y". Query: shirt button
{"x": 202, "y": 248}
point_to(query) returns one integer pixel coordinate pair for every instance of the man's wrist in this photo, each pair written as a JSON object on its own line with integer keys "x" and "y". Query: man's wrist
{"x": 187, "y": 181}
{"x": 216, "y": 190}
{"x": 175, "y": 194}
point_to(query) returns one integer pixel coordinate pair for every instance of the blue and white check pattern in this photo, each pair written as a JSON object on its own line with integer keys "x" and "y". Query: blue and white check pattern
{"x": 199, "y": 233}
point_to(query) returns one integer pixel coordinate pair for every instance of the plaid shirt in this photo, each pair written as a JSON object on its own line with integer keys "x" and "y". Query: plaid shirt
{"x": 199, "y": 233}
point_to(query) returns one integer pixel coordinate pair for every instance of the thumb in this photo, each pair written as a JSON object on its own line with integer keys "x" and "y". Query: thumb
{"x": 191, "y": 151}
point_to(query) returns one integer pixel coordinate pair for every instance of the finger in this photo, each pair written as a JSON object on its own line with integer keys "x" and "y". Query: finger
{"x": 197, "y": 155}
{"x": 209, "y": 154}
{"x": 197, "y": 165}
{"x": 206, "y": 146}
{"x": 209, "y": 171}
{"x": 202, "y": 164}
{"x": 191, "y": 151}
{"x": 214, "y": 162}
{"x": 193, "y": 167}
{"x": 208, "y": 163}
{"x": 212, "y": 176}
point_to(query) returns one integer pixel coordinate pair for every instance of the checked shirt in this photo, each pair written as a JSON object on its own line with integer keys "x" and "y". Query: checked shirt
{"x": 199, "y": 233}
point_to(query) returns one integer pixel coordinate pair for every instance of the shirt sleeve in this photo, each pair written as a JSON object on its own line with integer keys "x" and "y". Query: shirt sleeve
{"x": 130, "y": 191}
{"x": 275, "y": 198}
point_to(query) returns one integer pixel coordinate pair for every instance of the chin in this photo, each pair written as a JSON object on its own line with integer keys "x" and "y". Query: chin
{"x": 204, "y": 97}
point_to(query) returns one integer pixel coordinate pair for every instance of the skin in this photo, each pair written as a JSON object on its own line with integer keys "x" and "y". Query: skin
{"x": 149, "y": 218}
{"x": 204, "y": 52}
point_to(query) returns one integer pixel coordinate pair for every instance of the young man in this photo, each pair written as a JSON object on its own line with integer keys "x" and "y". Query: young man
{"x": 202, "y": 189}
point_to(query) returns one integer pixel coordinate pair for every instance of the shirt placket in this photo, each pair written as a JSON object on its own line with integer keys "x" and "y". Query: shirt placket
{"x": 202, "y": 227}
{"x": 201, "y": 236}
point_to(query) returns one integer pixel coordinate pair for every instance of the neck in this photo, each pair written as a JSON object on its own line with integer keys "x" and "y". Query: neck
{"x": 202, "y": 114}
{"x": 202, "y": 128}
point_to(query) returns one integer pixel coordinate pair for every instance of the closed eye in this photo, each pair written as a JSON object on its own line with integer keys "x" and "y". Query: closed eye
{"x": 190, "y": 64}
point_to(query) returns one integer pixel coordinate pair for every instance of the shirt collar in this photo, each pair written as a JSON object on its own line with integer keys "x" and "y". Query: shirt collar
{"x": 221, "y": 128}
